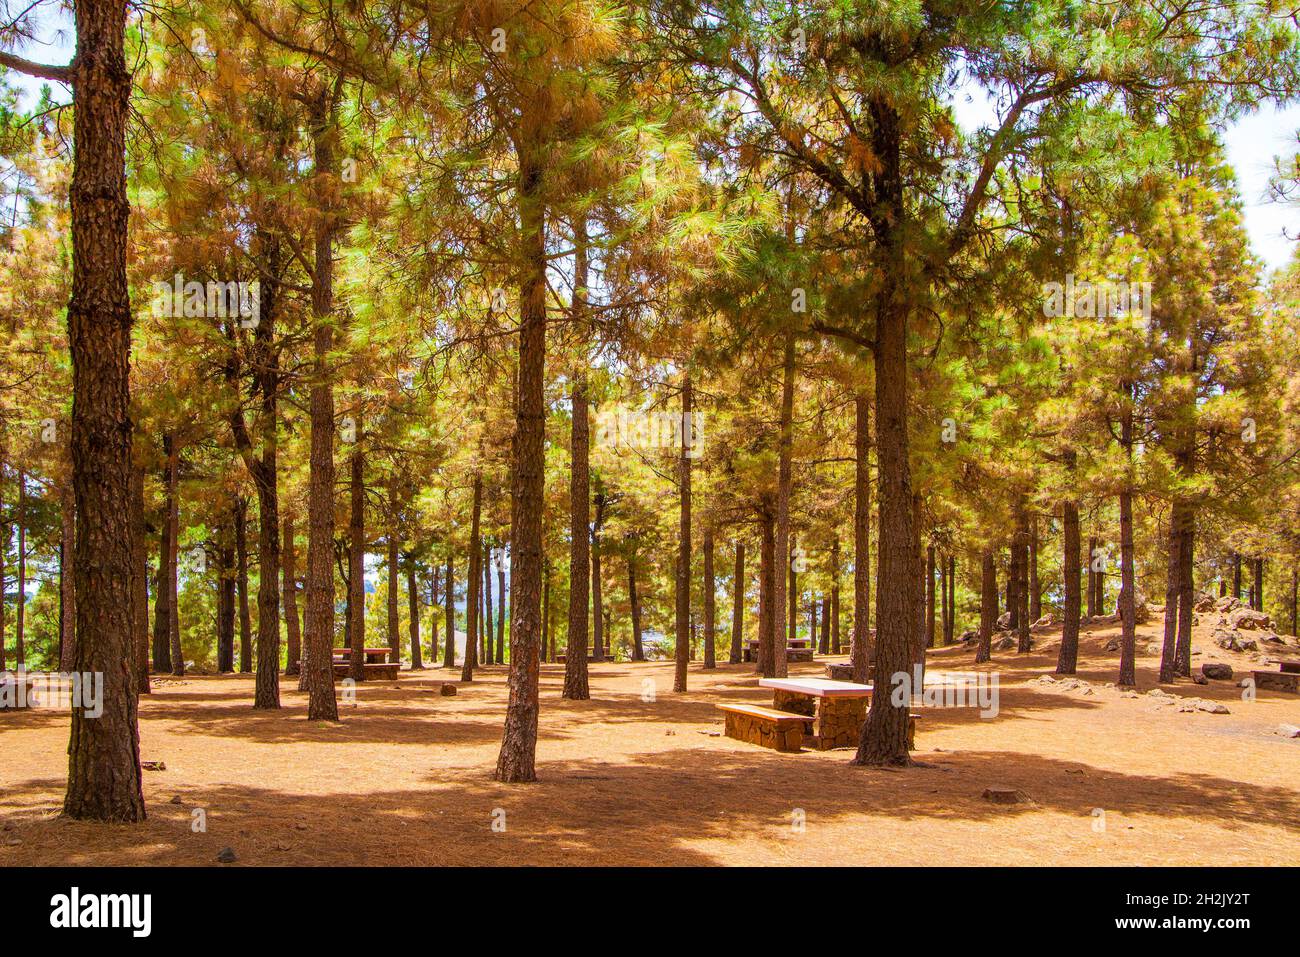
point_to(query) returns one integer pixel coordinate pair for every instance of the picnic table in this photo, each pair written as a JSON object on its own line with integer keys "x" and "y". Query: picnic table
{"x": 796, "y": 649}
{"x": 374, "y": 656}
{"x": 837, "y": 708}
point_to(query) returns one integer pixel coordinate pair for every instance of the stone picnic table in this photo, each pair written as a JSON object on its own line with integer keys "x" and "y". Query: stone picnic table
{"x": 837, "y": 708}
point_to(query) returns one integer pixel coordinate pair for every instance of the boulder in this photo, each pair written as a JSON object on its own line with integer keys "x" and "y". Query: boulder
{"x": 447, "y": 690}
{"x": 1004, "y": 621}
{"x": 227, "y": 855}
{"x": 1288, "y": 730}
{"x": 1047, "y": 621}
{"x": 1227, "y": 603}
{"x": 1112, "y": 645}
{"x": 1247, "y": 619}
{"x": 1006, "y": 796}
{"x": 970, "y": 634}
{"x": 1204, "y": 602}
{"x": 1217, "y": 670}
{"x": 1005, "y": 644}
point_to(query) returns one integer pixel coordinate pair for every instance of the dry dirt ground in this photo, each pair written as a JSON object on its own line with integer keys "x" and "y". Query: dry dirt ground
{"x": 406, "y": 777}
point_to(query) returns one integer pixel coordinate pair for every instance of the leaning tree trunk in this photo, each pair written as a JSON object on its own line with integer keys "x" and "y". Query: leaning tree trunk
{"x": 682, "y": 637}
{"x": 710, "y": 601}
{"x": 104, "y": 778}
{"x": 516, "y": 762}
{"x": 737, "y": 605}
{"x": 318, "y": 625}
{"x": 575, "y": 658}
{"x": 861, "y": 650}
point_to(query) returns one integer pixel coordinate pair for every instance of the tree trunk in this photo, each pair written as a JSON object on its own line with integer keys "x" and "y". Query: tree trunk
{"x": 929, "y": 596}
{"x": 710, "y": 602}
{"x": 288, "y": 565}
{"x": 951, "y": 633}
{"x": 1258, "y": 590}
{"x": 104, "y": 778}
{"x": 1173, "y": 585}
{"x": 824, "y": 644}
{"x": 516, "y": 762}
{"x": 173, "y": 544}
{"x": 501, "y": 606}
{"x": 162, "y": 647}
{"x": 1021, "y": 614}
{"x": 413, "y": 616}
{"x": 682, "y": 636}
{"x": 547, "y": 651}
{"x": 791, "y": 623}
{"x": 356, "y": 608}
{"x": 784, "y": 545}
{"x": 20, "y": 616}
{"x": 767, "y": 626}
{"x": 599, "y": 633}
{"x": 1035, "y": 591}
{"x": 1068, "y": 657}
{"x": 241, "y": 559}
{"x": 861, "y": 650}
{"x": 1236, "y": 575}
{"x": 139, "y": 583}
{"x": 835, "y": 597}
{"x": 1093, "y": 596}
{"x": 988, "y": 607}
{"x": 1128, "y": 632}
{"x": 394, "y": 585}
{"x": 489, "y": 647}
{"x": 318, "y": 625}
{"x": 634, "y": 601}
{"x": 575, "y": 659}
{"x": 67, "y": 591}
{"x": 1186, "y": 566}
{"x": 473, "y": 584}
{"x": 225, "y": 601}
{"x": 449, "y": 599}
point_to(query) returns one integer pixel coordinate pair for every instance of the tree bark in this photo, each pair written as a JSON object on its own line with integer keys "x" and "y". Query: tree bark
{"x": 501, "y": 605}
{"x": 473, "y": 584}
{"x": 489, "y": 649}
{"x": 241, "y": 560}
{"x": 1035, "y": 591}
{"x": 293, "y": 626}
{"x": 634, "y": 601}
{"x": 173, "y": 544}
{"x": 449, "y": 599}
{"x": 139, "y": 583}
{"x": 67, "y": 591}
{"x": 1128, "y": 632}
{"x": 784, "y": 545}
{"x": 575, "y": 659}
{"x": 862, "y": 650}
{"x": 929, "y": 596}
{"x": 20, "y": 615}
{"x": 413, "y": 615}
{"x": 710, "y": 601}
{"x": 225, "y": 554}
{"x": 1093, "y": 597}
{"x": 394, "y": 585}
{"x": 835, "y": 597}
{"x": 988, "y": 607}
{"x": 104, "y": 778}
{"x": 1186, "y": 567}
{"x": 1068, "y": 657}
{"x": 682, "y": 636}
{"x": 1021, "y": 614}
{"x": 1173, "y": 585}
{"x": 356, "y": 609}
{"x": 767, "y": 627}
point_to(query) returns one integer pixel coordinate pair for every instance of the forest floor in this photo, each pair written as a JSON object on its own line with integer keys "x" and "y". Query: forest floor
{"x": 406, "y": 777}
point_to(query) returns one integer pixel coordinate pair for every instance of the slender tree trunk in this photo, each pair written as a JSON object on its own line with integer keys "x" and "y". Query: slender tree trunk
{"x": 1186, "y": 567}
{"x": 944, "y": 610}
{"x": 104, "y": 778}
{"x": 784, "y": 545}
{"x": 929, "y": 596}
{"x": 1258, "y": 590}
{"x": 356, "y": 609}
{"x": 767, "y": 626}
{"x": 413, "y": 616}
{"x": 634, "y": 601}
{"x": 474, "y": 583}
{"x": 710, "y": 602}
{"x": 1236, "y": 575}
{"x": 4, "y": 559}
{"x": 1093, "y": 596}
{"x": 225, "y": 601}
{"x": 1173, "y": 584}
{"x": 162, "y": 647}
{"x": 433, "y": 615}
{"x": 835, "y": 597}
{"x": 575, "y": 659}
{"x": 988, "y": 607}
{"x": 862, "y": 651}
{"x": 951, "y": 633}
{"x": 824, "y": 645}
{"x": 792, "y": 600}
{"x": 173, "y": 544}
{"x": 1068, "y": 658}
{"x": 682, "y": 638}
{"x": 516, "y": 762}
{"x": 241, "y": 558}
{"x": 599, "y": 634}
{"x": 289, "y": 564}
{"x": 318, "y": 625}
{"x": 501, "y": 605}
{"x": 394, "y": 585}
{"x": 1128, "y": 632}
{"x": 489, "y": 648}
{"x": 139, "y": 584}
{"x": 449, "y": 599}
{"x": 20, "y": 637}
{"x": 547, "y": 651}
{"x": 1035, "y": 591}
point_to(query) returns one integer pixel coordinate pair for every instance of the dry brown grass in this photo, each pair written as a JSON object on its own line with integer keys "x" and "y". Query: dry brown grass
{"x": 406, "y": 778}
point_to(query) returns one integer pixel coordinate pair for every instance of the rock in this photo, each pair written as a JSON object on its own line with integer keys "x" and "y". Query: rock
{"x": 1211, "y": 707}
{"x": 447, "y": 690}
{"x": 1288, "y": 730}
{"x": 1217, "y": 670}
{"x": 1112, "y": 645}
{"x": 227, "y": 855}
{"x": 1154, "y": 650}
{"x": 1227, "y": 603}
{"x": 1006, "y": 644}
{"x": 177, "y": 800}
{"x": 970, "y": 634}
{"x": 1006, "y": 796}
{"x": 1004, "y": 621}
{"x": 1200, "y": 680}
{"x": 153, "y": 766}
{"x": 840, "y": 672}
{"x": 1043, "y": 680}
{"x": 1247, "y": 619}
{"x": 1204, "y": 602}
{"x": 1047, "y": 621}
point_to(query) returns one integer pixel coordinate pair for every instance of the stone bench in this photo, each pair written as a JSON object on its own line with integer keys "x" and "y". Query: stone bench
{"x": 1288, "y": 681}
{"x": 766, "y": 726}
{"x": 374, "y": 671}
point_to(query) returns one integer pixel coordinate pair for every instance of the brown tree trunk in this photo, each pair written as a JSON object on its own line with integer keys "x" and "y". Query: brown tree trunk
{"x": 1035, "y": 591}
{"x": 944, "y": 610}
{"x": 1257, "y": 592}
{"x": 1236, "y": 575}
{"x": 413, "y": 616}
{"x": 710, "y": 601}
{"x": 861, "y": 650}
{"x": 241, "y": 572}
{"x": 20, "y": 600}
{"x": 767, "y": 626}
{"x": 1093, "y": 596}
{"x": 835, "y": 597}
{"x": 784, "y": 544}
{"x": 394, "y": 585}
{"x": 473, "y": 584}
{"x": 449, "y": 599}
{"x": 162, "y": 647}
{"x": 1021, "y": 614}
{"x": 547, "y": 651}
{"x": 516, "y": 762}
{"x": 225, "y": 601}
{"x": 489, "y": 648}
{"x": 1173, "y": 584}
{"x": 293, "y": 626}
{"x": 929, "y": 596}
{"x": 501, "y": 605}
{"x": 600, "y": 641}
{"x": 682, "y": 585}
{"x": 1068, "y": 657}
{"x": 318, "y": 624}
{"x": 173, "y": 544}
{"x": 575, "y": 659}
{"x": 634, "y": 601}
{"x": 1186, "y": 567}
{"x": 824, "y": 644}
{"x": 67, "y": 591}
{"x": 791, "y": 602}
{"x": 1128, "y": 632}
{"x": 951, "y": 633}
{"x": 139, "y": 583}
{"x": 356, "y": 609}
{"x": 104, "y": 778}
{"x": 988, "y": 607}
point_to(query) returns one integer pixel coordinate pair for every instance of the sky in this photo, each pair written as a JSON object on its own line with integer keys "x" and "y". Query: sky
{"x": 1252, "y": 143}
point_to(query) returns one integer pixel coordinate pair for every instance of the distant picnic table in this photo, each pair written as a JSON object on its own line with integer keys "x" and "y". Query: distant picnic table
{"x": 376, "y": 664}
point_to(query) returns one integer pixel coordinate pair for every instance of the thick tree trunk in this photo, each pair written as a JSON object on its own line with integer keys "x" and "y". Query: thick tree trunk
{"x": 67, "y": 589}
{"x": 104, "y": 778}
{"x": 575, "y": 659}
{"x": 293, "y": 626}
{"x": 1186, "y": 567}
{"x": 710, "y": 602}
{"x": 241, "y": 572}
{"x": 1068, "y": 657}
{"x": 318, "y": 625}
{"x": 988, "y": 606}
{"x": 862, "y": 650}
{"x": 473, "y": 583}
{"x": 682, "y": 584}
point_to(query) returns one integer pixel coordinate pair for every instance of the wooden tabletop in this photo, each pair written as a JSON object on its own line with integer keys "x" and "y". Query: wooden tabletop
{"x": 818, "y": 687}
